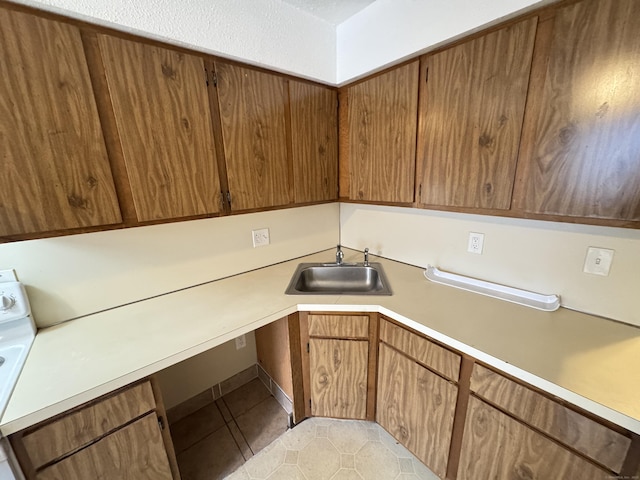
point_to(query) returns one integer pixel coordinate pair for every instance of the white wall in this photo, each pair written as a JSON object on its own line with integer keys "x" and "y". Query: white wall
{"x": 67, "y": 277}
{"x": 186, "y": 379}
{"x": 266, "y": 33}
{"x": 388, "y": 31}
{"x": 545, "y": 257}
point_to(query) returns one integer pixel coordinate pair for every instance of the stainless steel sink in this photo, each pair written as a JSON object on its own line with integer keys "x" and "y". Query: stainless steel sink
{"x": 334, "y": 279}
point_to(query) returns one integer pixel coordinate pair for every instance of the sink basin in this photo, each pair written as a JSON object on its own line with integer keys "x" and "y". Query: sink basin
{"x": 333, "y": 279}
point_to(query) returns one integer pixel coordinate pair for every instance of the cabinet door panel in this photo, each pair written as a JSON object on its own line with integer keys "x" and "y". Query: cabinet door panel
{"x": 496, "y": 446}
{"x": 594, "y": 440}
{"x": 252, "y": 111}
{"x": 314, "y": 137}
{"x": 338, "y": 378}
{"x": 136, "y": 452}
{"x": 55, "y": 170}
{"x": 417, "y": 407}
{"x": 472, "y": 104}
{"x": 581, "y": 140}
{"x": 349, "y": 326}
{"x": 160, "y": 102}
{"x": 382, "y": 136}
{"x": 77, "y": 429}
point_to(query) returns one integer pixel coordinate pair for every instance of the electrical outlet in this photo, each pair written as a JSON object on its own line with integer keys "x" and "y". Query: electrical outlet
{"x": 260, "y": 237}
{"x": 598, "y": 261}
{"x": 241, "y": 342}
{"x": 476, "y": 241}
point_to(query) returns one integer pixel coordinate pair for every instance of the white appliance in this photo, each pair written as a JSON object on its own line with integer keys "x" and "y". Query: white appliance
{"x": 17, "y": 332}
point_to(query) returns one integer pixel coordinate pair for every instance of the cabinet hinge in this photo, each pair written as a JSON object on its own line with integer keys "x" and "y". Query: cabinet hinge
{"x": 307, "y": 347}
{"x": 420, "y": 191}
{"x": 161, "y": 423}
{"x": 309, "y": 403}
{"x": 426, "y": 75}
{"x": 229, "y": 197}
{"x": 214, "y": 76}
{"x": 206, "y": 77}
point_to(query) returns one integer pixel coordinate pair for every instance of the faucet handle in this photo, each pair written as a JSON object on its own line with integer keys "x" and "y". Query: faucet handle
{"x": 366, "y": 257}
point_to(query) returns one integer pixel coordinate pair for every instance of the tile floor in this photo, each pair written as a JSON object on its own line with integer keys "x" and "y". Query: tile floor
{"x": 219, "y": 437}
{"x": 244, "y": 436}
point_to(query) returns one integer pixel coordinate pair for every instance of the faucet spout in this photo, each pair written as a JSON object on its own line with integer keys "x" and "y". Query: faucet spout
{"x": 339, "y": 255}
{"x": 366, "y": 257}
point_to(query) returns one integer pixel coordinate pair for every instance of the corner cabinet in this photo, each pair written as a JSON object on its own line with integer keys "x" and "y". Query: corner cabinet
{"x": 122, "y": 436}
{"x": 254, "y": 130}
{"x": 580, "y": 155}
{"x": 382, "y": 136}
{"x": 55, "y": 170}
{"x": 472, "y": 101}
{"x": 160, "y": 104}
{"x": 314, "y": 139}
{"x": 338, "y": 380}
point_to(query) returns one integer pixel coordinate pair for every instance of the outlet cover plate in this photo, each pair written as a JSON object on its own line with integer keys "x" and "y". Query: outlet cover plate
{"x": 241, "y": 342}
{"x": 260, "y": 237}
{"x": 476, "y": 242}
{"x": 598, "y": 261}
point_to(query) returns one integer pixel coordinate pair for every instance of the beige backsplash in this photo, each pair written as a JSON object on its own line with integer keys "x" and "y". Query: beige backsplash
{"x": 545, "y": 257}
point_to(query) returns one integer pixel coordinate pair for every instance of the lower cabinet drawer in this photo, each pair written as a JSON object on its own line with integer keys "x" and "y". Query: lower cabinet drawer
{"x": 496, "y": 446}
{"x": 596, "y": 441}
{"x": 417, "y": 407}
{"x": 80, "y": 427}
{"x": 135, "y": 452}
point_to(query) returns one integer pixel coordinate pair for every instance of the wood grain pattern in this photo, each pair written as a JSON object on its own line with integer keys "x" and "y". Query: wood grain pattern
{"x": 343, "y": 142}
{"x": 417, "y": 407}
{"x": 472, "y": 100}
{"x": 159, "y": 98}
{"x": 314, "y": 137}
{"x": 273, "y": 352}
{"x": 298, "y": 373}
{"x": 165, "y": 431}
{"x": 419, "y": 348}
{"x": 605, "y": 446}
{"x": 252, "y": 111}
{"x": 135, "y": 452}
{"x": 81, "y": 427}
{"x": 338, "y": 378}
{"x": 580, "y": 154}
{"x": 497, "y": 446}
{"x": 382, "y": 136}
{"x": 55, "y": 170}
{"x": 340, "y": 326}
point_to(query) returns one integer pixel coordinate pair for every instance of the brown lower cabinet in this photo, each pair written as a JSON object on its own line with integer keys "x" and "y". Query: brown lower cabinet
{"x": 121, "y": 436}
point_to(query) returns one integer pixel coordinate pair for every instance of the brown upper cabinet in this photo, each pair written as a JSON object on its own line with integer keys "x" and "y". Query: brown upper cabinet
{"x": 55, "y": 170}
{"x": 382, "y": 136}
{"x": 580, "y": 154}
{"x": 161, "y": 108}
{"x": 472, "y": 100}
{"x": 254, "y": 129}
{"x": 314, "y": 138}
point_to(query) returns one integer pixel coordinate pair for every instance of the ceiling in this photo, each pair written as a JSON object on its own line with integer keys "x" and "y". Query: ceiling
{"x": 332, "y": 11}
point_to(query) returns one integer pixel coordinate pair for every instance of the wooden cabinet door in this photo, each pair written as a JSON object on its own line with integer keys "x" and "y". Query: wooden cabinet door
{"x": 580, "y": 154}
{"x": 417, "y": 407}
{"x": 314, "y": 139}
{"x": 338, "y": 377}
{"x": 135, "y": 452}
{"x": 252, "y": 112}
{"x": 382, "y": 136}
{"x": 55, "y": 170}
{"x": 472, "y": 100}
{"x": 495, "y": 445}
{"x": 161, "y": 107}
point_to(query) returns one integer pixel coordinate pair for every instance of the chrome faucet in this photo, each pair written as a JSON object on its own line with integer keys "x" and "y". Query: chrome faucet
{"x": 339, "y": 256}
{"x": 366, "y": 257}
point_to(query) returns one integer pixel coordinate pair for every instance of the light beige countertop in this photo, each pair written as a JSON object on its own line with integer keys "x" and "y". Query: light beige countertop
{"x": 589, "y": 361}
